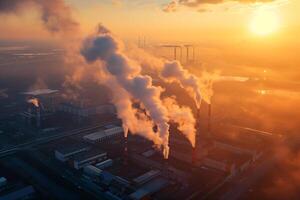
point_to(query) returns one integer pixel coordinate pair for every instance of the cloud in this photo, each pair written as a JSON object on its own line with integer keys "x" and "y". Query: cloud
{"x": 55, "y": 14}
{"x": 173, "y": 5}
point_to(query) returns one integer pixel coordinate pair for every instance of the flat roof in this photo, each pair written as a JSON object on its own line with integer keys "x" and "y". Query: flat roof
{"x": 69, "y": 147}
{"x": 19, "y": 194}
{"x": 145, "y": 176}
{"x": 98, "y": 135}
{"x": 149, "y": 188}
{"x": 227, "y": 156}
{"x": 88, "y": 154}
{"x": 40, "y": 92}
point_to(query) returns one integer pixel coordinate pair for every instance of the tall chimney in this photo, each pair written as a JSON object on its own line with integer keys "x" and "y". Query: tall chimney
{"x": 125, "y": 151}
{"x": 29, "y": 115}
{"x": 194, "y": 152}
{"x": 194, "y": 157}
{"x": 38, "y": 117}
{"x": 209, "y": 120}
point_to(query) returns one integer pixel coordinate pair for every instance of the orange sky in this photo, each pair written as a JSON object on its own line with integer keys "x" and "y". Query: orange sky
{"x": 132, "y": 19}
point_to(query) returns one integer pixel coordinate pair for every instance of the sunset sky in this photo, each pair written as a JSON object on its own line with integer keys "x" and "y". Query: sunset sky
{"x": 132, "y": 18}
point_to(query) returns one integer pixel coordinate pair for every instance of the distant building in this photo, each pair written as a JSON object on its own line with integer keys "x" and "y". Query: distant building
{"x": 92, "y": 171}
{"x": 242, "y": 142}
{"x": 68, "y": 151}
{"x": 88, "y": 158}
{"x": 82, "y": 110}
{"x": 146, "y": 177}
{"x": 104, "y": 164}
{"x": 40, "y": 108}
{"x": 149, "y": 188}
{"x": 226, "y": 160}
{"x": 109, "y": 133}
{"x": 27, "y": 192}
{"x": 181, "y": 149}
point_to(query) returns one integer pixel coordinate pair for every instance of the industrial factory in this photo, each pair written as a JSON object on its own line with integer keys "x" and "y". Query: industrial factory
{"x": 85, "y": 144}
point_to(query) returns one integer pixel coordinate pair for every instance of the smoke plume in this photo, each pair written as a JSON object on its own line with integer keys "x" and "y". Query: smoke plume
{"x": 34, "y": 101}
{"x": 55, "y": 14}
{"x": 174, "y": 72}
{"x": 183, "y": 116}
{"x": 103, "y": 46}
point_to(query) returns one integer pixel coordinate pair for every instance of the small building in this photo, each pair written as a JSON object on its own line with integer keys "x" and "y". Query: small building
{"x": 3, "y": 181}
{"x": 27, "y": 192}
{"x": 146, "y": 177}
{"x": 109, "y": 133}
{"x": 226, "y": 160}
{"x": 83, "y": 109}
{"x": 68, "y": 151}
{"x": 149, "y": 188}
{"x": 92, "y": 171}
{"x": 88, "y": 158}
{"x": 149, "y": 153}
{"x": 104, "y": 164}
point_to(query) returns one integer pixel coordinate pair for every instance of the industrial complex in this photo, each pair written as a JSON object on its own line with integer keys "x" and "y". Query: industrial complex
{"x": 83, "y": 145}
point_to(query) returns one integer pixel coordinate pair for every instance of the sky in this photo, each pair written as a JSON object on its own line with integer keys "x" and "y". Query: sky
{"x": 133, "y": 18}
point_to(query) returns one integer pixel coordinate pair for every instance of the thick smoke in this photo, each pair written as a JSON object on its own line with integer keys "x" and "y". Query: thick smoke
{"x": 104, "y": 47}
{"x": 198, "y": 87}
{"x": 174, "y": 72}
{"x": 183, "y": 116}
{"x": 132, "y": 119}
{"x": 55, "y": 14}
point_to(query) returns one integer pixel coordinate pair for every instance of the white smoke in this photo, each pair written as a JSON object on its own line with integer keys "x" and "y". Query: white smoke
{"x": 103, "y": 46}
{"x": 183, "y": 116}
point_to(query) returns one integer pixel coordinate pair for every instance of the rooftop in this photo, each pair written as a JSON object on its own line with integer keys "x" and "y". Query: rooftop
{"x": 40, "y": 92}
{"x": 70, "y": 146}
{"x": 99, "y": 135}
{"x": 229, "y": 157}
{"x": 88, "y": 154}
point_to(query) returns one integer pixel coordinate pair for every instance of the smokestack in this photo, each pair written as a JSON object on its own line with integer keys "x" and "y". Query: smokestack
{"x": 194, "y": 152}
{"x": 125, "y": 146}
{"x": 38, "y": 117}
{"x": 209, "y": 120}
{"x": 29, "y": 116}
{"x": 194, "y": 157}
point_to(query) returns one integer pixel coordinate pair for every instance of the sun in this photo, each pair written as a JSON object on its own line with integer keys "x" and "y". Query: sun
{"x": 264, "y": 22}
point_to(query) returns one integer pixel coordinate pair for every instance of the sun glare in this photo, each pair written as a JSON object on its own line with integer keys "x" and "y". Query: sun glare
{"x": 264, "y": 22}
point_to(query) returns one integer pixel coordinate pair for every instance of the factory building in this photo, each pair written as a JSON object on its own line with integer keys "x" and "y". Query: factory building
{"x": 68, "y": 151}
{"x": 109, "y": 133}
{"x": 226, "y": 160}
{"x": 88, "y": 158}
{"x": 92, "y": 171}
{"x": 27, "y": 192}
{"x": 146, "y": 177}
{"x": 41, "y": 105}
{"x": 104, "y": 164}
{"x": 82, "y": 109}
{"x": 242, "y": 142}
{"x": 149, "y": 188}
{"x": 48, "y": 98}
{"x": 181, "y": 149}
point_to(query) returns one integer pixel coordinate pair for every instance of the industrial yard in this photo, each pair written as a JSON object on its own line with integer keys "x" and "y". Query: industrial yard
{"x": 149, "y": 100}
{"x": 96, "y": 160}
